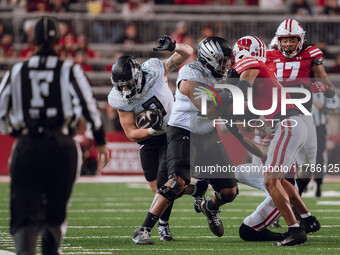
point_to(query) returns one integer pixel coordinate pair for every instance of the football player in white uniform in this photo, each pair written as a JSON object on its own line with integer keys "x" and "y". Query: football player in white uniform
{"x": 138, "y": 87}
{"x": 193, "y": 139}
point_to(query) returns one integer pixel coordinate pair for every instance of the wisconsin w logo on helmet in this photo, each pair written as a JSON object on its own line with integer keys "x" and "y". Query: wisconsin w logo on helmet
{"x": 215, "y": 52}
{"x": 244, "y": 44}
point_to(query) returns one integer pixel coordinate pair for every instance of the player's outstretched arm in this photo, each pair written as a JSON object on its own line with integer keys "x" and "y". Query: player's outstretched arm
{"x": 182, "y": 53}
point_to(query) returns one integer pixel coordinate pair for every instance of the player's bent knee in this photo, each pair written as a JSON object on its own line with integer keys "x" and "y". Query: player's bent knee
{"x": 169, "y": 193}
{"x": 177, "y": 183}
{"x": 226, "y": 196}
{"x": 271, "y": 183}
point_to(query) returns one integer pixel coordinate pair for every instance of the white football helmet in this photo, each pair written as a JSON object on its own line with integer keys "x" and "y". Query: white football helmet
{"x": 215, "y": 53}
{"x": 249, "y": 46}
{"x": 290, "y": 28}
{"x": 273, "y": 43}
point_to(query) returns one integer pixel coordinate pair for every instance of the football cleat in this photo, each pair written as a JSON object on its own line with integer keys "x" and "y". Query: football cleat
{"x": 141, "y": 236}
{"x": 214, "y": 220}
{"x": 292, "y": 237}
{"x": 197, "y": 204}
{"x": 310, "y": 224}
{"x": 164, "y": 233}
{"x": 249, "y": 234}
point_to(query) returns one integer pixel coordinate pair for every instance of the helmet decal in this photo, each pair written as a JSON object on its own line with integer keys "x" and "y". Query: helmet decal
{"x": 249, "y": 46}
{"x": 215, "y": 53}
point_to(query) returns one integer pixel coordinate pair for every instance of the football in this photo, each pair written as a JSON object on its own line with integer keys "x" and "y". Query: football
{"x": 146, "y": 118}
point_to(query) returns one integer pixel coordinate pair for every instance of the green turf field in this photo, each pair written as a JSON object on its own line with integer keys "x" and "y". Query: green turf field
{"x": 103, "y": 216}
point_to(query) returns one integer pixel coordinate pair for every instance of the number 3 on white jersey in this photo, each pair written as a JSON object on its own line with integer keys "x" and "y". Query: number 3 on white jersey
{"x": 294, "y": 66}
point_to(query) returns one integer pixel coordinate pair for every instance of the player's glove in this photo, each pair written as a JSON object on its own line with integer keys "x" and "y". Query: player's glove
{"x": 165, "y": 43}
{"x": 156, "y": 128}
{"x": 235, "y": 131}
{"x": 318, "y": 86}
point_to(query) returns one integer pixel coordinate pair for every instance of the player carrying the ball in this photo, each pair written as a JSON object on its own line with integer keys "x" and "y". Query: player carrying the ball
{"x": 143, "y": 99}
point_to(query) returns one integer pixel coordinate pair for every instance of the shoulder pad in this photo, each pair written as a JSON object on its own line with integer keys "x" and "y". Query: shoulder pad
{"x": 314, "y": 52}
{"x": 245, "y": 64}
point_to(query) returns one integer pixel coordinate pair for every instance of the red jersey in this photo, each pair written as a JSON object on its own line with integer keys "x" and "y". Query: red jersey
{"x": 263, "y": 86}
{"x": 293, "y": 71}
{"x": 296, "y": 71}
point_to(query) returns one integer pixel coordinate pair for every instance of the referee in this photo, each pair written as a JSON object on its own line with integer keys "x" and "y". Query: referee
{"x": 41, "y": 102}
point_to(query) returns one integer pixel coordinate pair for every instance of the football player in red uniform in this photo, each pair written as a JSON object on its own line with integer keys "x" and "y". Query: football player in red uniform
{"x": 298, "y": 64}
{"x": 249, "y": 62}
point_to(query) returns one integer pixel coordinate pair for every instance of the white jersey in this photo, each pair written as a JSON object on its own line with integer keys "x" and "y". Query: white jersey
{"x": 184, "y": 113}
{"x": 155, "y": 93}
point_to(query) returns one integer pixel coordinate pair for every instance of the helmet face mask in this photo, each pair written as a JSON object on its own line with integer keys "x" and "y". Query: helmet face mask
{"x": 289, "y": 45}
{"x": 126, "y": 76}
{"x": 290, "y": 28}
{"x": 249, "y": 46}
{"x": 214, "y": 52}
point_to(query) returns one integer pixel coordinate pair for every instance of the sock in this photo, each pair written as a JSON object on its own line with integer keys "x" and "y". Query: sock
{"x": 212, "y": 206}
{"x": 306, "y": 215}
{"x": 200, "y": 188}
{"x": 150, "y": 220}
{"x": 166, "y": 215}
{"x": 296, "y": 225}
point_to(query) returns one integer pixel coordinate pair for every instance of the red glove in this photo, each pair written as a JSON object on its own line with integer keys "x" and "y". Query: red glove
{"x": 318, "y": 86}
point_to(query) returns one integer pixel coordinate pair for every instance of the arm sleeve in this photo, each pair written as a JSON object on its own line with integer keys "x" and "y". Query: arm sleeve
{"x": 5, "y": 104}
{"x": 89, "y": 107}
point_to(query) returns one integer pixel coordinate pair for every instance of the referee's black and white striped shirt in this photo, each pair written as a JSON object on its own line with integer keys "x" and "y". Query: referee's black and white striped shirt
{"x": 329, "y": 105}
{"x": 45, "y": 92}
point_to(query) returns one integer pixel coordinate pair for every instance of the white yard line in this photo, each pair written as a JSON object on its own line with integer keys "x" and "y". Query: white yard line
{"x": 172, "y": 226}
{"x": 328, "y": 202}
{"x": 128, "y": 179}
{"x": 2, "y": 252}
{"x": 174, "y": 210}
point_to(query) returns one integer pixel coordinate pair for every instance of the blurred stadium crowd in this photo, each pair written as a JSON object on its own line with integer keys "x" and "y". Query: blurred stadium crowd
{"x": 96, "y": 33}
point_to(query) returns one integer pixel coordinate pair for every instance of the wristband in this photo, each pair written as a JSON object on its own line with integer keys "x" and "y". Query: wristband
{"x": 243, "y": 85}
